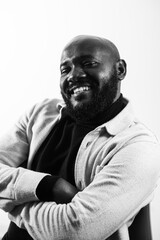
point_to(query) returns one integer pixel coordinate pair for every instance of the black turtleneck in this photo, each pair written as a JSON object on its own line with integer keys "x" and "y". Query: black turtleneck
{"x": 58, "y": 152}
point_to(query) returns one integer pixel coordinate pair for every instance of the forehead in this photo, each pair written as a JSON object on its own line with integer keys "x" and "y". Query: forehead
{"x": 85, "y": 48}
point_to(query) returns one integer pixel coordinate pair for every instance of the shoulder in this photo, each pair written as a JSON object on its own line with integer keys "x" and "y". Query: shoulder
{"x": 46, "y": 107}
{"x": 49, "y": 105}
{"x": 139, "y": 132}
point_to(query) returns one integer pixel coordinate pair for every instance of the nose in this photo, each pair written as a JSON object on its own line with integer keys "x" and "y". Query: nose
{"x": 76, "y": 74}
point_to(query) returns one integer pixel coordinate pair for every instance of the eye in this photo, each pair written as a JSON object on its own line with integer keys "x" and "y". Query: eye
{"x": 65, "y": 70}
{"x": 90, "y": 64}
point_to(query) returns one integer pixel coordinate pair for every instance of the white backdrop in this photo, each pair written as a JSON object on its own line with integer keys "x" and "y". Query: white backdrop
{"x": 34, "y": 32}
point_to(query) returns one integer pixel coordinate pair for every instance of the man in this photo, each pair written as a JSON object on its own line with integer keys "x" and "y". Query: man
{"x": 91, "y": 165}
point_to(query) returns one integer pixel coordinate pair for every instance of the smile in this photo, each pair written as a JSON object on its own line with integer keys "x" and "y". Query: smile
{"x": 79, "y": 89}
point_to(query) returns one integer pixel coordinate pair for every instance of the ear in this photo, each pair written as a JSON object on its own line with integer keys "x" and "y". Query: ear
{"x": 121, "y": 68}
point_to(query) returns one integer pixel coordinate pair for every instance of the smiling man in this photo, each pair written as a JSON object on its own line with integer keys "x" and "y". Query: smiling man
{"x": 81, "y": 168}
{"x": 91, "y": 71}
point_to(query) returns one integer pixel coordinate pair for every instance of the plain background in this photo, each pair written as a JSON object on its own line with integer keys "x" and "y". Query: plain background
{"x": 33, "y": 34}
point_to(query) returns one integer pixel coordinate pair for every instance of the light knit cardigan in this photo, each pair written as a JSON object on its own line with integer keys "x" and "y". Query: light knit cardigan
{"x": 116, "y": 171}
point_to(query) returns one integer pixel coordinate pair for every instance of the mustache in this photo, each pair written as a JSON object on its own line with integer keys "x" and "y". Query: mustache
{"x": 69, "y": 86}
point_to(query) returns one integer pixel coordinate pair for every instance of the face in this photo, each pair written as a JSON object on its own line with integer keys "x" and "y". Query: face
{"x": 89, "y": 83}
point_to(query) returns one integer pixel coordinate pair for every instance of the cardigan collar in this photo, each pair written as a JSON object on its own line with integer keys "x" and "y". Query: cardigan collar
{"x": 117, "y": 124}
{"x": 120, "y": 122}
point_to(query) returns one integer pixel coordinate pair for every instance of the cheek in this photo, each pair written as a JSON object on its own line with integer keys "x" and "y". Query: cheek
{"x": 105, "y": 72}
{"x": 103, "y": 80}
{"x": 104, "y": 76}
{"x": 62, "y": 84}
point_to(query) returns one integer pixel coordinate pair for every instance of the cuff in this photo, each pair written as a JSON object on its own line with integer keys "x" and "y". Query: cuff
{"x": 25, "y": 187}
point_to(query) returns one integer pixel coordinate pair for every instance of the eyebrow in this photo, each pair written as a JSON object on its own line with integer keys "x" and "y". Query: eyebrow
{"x": 88, "y": 56}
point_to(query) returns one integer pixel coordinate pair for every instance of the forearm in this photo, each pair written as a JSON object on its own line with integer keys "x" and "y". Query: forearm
{"x": 54, "y": 188}
{"x": 17, "y": 186}
{"x": 86, "y": 217}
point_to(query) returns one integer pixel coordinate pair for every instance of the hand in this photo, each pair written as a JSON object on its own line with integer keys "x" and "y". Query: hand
{"x": 63, "y": 191}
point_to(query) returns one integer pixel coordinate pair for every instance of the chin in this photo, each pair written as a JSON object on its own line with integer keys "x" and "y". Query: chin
{"x": 82, "y": 110}
{"x": 80, "y": 104}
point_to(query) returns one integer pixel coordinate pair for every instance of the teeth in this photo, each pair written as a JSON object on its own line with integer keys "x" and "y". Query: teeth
{"x": 80, "y": 89}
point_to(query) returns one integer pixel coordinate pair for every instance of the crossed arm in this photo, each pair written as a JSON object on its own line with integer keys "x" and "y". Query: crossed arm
{"x": 96, "y": 212}
{"x": 55, "y": 189}
{"x": 103, "y": 207}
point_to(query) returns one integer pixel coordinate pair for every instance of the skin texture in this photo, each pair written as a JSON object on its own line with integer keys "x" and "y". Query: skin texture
{"x": 93, "y": 63}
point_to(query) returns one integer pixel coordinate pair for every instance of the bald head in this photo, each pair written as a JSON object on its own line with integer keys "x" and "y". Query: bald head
{"x": 87, "y": 42}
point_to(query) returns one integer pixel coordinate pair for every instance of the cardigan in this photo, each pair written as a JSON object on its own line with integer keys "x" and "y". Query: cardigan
{"x": 57, "y": 155}
{"x": 116, "y": 171}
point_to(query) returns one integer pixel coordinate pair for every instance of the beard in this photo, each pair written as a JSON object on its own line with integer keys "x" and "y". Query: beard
{"x": 101, "y": 101}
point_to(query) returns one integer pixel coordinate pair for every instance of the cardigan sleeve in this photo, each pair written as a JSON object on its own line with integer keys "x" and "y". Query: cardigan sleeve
{"x": 109, "y": 202}
{"x": 17, "y": 184}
